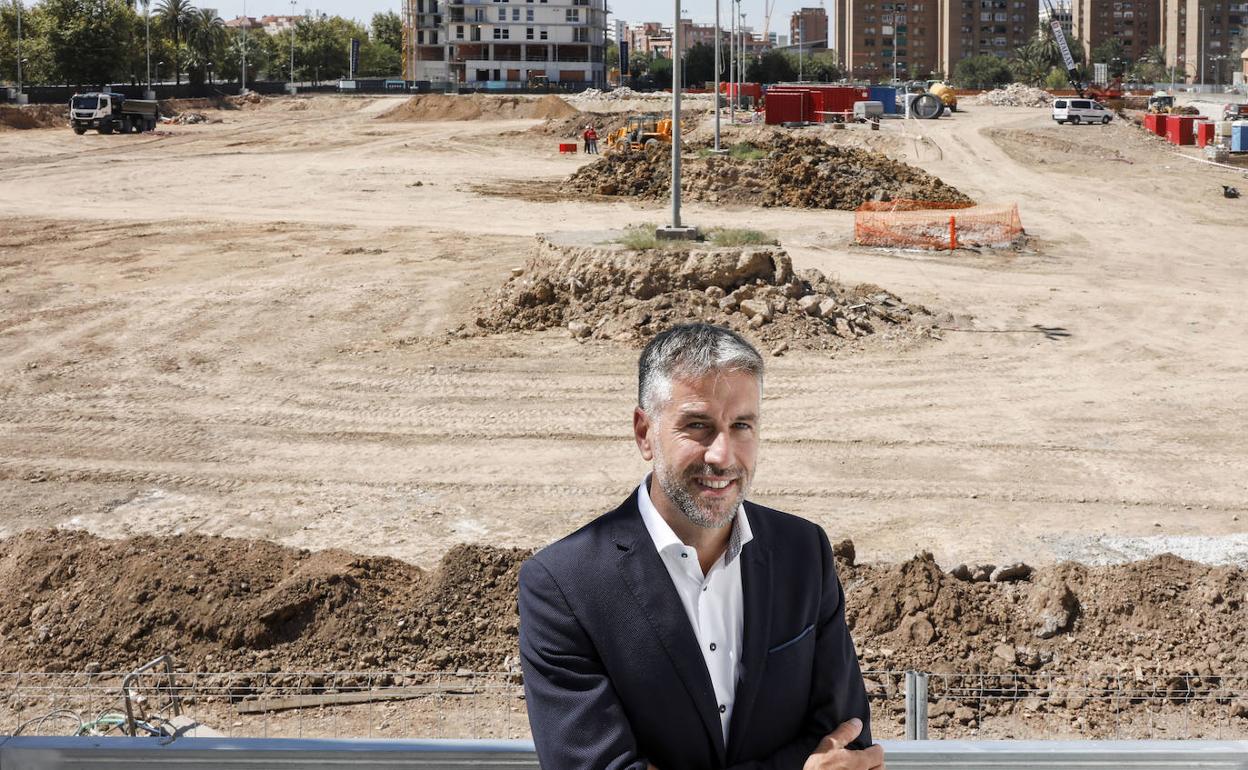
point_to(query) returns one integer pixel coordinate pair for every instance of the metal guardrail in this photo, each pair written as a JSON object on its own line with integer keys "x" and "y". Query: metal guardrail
{"x": 45, "y": 753}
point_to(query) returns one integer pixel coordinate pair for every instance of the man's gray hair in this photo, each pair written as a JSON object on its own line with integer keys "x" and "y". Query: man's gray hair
{"x": 691, "y": 351}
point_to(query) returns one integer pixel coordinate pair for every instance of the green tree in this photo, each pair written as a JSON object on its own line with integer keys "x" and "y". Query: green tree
{"x": 818, "y": 66}
{"x": 205, "y": 43}
{"x": 983, "y": 71}
{"x": 1057, "y": 79}
{"x": 324, "y": 46}
{"x": 699, "y": 64}
{"x": 175, "y": 18}
{"x": 39, "y": 66}
{"x": 772, "y": 67}
{"x": 379, "y": 60}
{"x": 659, "y": 72}
{"x": 1032, "y": 61}
{"x": 1113, "y": 53}
{"x": 1151, "y": 67}
{"x": 83, "y": 40}
{"x": 387, "y": 29}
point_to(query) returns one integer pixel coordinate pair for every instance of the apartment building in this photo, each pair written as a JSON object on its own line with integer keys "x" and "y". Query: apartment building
{"x": 809, "y": 27}
{"x": 984, "y": 27}
{"x": 919, "y": 39}
{"x": 505, "y": 43}
{"x": 887, "y": 40}
{"x": 1204, "y": 41}
{"x": 1059, "y": 10}
{"x": 654, "y": 39}
{"x": 1137, "y": 24}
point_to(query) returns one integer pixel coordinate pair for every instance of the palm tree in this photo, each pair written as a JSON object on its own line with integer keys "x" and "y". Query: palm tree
{"x": 1031, "y": 62}
{"x": 175, "y": 16}
{"x": 205, "y": 37}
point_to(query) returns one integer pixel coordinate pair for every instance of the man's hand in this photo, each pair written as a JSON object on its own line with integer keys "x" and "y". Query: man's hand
{"x": 831, "y": 753}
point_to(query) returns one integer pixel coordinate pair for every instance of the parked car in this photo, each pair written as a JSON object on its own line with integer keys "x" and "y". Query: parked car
{"x": 1078, "y": 111}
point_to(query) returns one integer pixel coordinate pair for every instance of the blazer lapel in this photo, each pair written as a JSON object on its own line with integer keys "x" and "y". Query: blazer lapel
{"x": 644, "y": 573}
{"x": 756, "y": 584}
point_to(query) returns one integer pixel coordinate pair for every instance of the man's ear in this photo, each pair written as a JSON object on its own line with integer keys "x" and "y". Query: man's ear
{"x": 642, "y": 428}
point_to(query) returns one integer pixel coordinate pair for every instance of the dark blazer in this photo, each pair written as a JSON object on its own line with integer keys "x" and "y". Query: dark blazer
{"x": 613, "y": 674}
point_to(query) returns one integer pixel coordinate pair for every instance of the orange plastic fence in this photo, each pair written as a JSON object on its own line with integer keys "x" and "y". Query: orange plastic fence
{"x": 908, "y": 204}
{"x": 930, "y": 228}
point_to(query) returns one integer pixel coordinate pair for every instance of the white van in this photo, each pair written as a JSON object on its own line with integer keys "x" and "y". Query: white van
{"x": 1080, "y": 111}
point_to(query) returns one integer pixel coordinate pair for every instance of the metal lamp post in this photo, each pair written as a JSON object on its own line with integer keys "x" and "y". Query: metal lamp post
{"x": 733, "y": 62}
{"x": 717, "y": 76}
{"x": 158, "y": 70}
{"x": 242, "y": 87}
{"x": 676, "y": 230}
{"x": 147, "y": 31}
{"x": 292, "y": 45}
{"x": 741, "y": 69}
{"x": 801, "y": 41}
{"x": 21, "y": 95}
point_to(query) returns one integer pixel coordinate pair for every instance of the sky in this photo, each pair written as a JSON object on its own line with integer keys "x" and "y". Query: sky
{"x": 632, "y": 11}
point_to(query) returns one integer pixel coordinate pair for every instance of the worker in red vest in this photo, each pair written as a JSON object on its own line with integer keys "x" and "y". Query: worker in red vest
{"x": 591, "y": 140}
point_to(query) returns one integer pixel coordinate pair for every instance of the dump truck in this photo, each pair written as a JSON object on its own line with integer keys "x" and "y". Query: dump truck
{"x": 641, "y": 131}
{"x": 109, "y": 112}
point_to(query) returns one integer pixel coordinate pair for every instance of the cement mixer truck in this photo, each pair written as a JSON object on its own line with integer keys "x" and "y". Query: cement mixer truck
{"x": 107, "y": 112}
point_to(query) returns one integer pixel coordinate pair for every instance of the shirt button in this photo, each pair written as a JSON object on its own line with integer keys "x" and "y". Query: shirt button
{"x": 712, "y": 647}
{"x": 722, "y": 708}
{"x": 684, "y": 555}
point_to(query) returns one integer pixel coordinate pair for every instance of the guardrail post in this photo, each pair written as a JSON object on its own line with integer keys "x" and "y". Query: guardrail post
{"x": 911, "y": 687}
{"x": 920, "y": 706}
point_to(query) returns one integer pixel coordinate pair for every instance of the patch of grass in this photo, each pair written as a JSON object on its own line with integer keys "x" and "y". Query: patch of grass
{"x": 642, "y": 238}
{"x": 639, "y": 238}
{"x": 740, "y": 151}
{"x": 740, "y": 236}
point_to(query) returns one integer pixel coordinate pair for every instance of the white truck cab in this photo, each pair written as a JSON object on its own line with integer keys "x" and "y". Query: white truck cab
{"x": 108, "y": 112}
{"x": 1076, "y": 111}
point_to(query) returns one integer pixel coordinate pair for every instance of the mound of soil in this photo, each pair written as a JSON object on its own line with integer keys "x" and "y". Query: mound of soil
{"x": 620, "y": 294}
{"x": 803, "y": 172}
{"x": 216, "y": 602}
{"x": 573, "y": 126}
{"x": 30, "y": 116}
{"x": 437, "y": 107}
{"x": 1170, "y": 629}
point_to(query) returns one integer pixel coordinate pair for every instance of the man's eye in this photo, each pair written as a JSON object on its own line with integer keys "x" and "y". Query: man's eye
{"x": 743, "y": 426}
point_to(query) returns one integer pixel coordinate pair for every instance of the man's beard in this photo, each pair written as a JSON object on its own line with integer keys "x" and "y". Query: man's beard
{"x": 680, "y": 489}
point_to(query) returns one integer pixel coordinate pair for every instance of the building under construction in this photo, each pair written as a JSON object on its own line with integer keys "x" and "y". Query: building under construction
{"x": 505, "y": 44}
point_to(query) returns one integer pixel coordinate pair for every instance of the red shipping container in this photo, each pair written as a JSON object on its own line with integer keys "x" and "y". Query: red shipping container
{"x": 1179, "y": 129}
{"x": 1156, "y": 124}
{"x": 784, "y": 107}
{"x": 1204, "y": 133}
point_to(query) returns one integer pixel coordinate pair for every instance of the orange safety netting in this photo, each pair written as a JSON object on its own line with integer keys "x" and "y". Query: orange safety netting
{"x": 938, "y": 228}
{"x": 909, "y": 204}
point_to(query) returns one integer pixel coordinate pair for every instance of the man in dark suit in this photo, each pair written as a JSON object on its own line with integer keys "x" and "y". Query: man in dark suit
{"x": 689, "y": 629}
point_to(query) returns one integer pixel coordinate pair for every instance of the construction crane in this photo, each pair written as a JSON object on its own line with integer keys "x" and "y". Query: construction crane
{"x": 768, "y": 7}
{"x": 1113, "y": 91}
{"x": 1072, "y": 72}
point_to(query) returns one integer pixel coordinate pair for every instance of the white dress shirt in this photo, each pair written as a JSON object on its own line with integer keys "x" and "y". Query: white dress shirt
{"x": 714, "y": 602}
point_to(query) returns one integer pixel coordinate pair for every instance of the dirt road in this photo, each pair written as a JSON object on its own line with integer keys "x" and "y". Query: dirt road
{"x": 241, "y": 328}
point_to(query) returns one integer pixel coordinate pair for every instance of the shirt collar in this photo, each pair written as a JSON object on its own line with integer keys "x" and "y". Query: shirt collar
{"x": 663, "y": 536}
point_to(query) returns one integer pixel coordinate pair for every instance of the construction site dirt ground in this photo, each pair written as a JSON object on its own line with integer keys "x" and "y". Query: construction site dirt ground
{"x": 244, "y": 328}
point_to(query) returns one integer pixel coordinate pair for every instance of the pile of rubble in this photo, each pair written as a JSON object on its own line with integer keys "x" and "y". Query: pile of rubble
{"x": 626, "y": 295}
{"x": 1053, "y": 642}
{"x": 1015, "y": 95}
{"x": 802, "y": 172}
{"x": 615, "y": 94}
{"x": 189, "y": 119}
{"x": 33, "y": 116}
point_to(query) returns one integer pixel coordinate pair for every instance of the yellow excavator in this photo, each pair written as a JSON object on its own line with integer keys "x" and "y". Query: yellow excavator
{"x": 641, "y": 131}
{"x": 1162, "y": 103}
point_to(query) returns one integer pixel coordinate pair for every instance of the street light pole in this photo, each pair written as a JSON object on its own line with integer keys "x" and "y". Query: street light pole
{"x": 676, "y": 229}
{"x": 716, "y": 75}
{"x": 242, "y": 88}
{"x": 741, "y": 69}
{"x": 733, "y": 62}
{"x": 801, "y": 42}
{"x": 894, "y": 43}
{"x": 293, "y": 25}
{"x": 20, "y": 95}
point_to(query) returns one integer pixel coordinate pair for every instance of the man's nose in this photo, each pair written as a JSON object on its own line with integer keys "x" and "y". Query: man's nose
{"x": 719, "y": 453}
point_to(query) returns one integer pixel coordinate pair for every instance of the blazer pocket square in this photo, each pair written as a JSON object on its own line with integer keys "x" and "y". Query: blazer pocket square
{"x": 805, "y": 631}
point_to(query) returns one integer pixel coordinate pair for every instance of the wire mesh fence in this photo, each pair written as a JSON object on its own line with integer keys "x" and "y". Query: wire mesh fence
{"x": 395, "y": 704}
